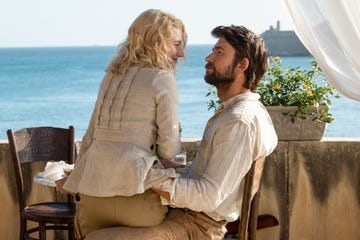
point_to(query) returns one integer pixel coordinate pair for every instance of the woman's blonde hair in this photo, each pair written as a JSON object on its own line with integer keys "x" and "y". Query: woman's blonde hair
{"x": 145, "y": 44}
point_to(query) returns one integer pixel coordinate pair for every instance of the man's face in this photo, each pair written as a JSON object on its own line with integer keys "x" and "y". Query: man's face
{"x": 220, "y": 64}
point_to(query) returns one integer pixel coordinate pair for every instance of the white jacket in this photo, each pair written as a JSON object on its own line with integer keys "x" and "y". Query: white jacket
{"x": 134, "y": 122}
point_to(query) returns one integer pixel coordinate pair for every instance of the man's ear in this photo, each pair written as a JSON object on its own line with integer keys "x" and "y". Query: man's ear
{"x": 243, "y": 65}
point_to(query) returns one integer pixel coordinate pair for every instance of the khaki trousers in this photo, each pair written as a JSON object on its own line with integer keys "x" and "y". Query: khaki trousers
{"x": 141, "y": 210}
{"x": 178, "y": 225}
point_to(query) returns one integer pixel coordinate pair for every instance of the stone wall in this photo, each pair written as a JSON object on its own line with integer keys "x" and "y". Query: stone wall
{"x": 312, "y": 187}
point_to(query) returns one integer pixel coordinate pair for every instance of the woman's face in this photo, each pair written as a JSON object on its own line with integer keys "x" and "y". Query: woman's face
{"x": 175, "y": 45}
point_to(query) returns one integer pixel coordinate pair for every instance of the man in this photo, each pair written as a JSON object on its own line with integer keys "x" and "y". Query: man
{"x": 207, "y": 194}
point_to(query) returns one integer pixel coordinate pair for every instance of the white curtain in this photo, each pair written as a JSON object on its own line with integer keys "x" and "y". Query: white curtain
{"x": 330, "y": 30}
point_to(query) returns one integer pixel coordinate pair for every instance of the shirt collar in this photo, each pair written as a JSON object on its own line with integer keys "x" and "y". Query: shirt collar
{"x": 250, "y": 96}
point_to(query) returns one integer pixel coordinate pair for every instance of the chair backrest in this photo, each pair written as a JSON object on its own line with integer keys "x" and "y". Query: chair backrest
{"x": 250, "y": 202}
{"x": 39, "y": 144}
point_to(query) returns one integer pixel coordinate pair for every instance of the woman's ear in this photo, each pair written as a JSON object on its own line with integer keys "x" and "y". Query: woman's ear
{"x": 243, "y": 64}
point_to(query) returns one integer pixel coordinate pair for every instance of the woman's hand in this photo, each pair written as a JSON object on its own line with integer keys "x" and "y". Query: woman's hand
{"x": 164, "y": 194}
{"x": 167, "y": 163}
{"x": 59, "y": 185}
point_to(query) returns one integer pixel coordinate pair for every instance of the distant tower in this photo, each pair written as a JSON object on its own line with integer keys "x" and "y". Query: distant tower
{"x": 283, "y": 43}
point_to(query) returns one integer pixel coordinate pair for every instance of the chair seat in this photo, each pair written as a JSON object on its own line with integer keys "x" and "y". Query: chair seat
{"x": 263, "y": 221}
{"x": 51, "y": 212}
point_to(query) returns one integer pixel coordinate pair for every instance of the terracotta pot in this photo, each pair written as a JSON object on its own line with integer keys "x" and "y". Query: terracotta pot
{"x": 300, "y": 130}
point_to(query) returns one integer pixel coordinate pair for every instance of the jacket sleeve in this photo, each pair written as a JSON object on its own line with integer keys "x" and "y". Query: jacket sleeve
{"x": 166, "y": 99}
{"x": 88, "y": 138}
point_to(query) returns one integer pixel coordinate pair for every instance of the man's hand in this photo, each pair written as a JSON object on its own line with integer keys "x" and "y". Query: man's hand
{"x": 164, "y": 194}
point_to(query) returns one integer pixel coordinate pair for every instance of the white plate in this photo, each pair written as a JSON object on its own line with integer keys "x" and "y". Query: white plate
{"x": 44, "y": 181}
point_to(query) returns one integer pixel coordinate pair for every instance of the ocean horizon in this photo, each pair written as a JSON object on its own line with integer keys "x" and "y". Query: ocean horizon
{"x": 57, "y": 86}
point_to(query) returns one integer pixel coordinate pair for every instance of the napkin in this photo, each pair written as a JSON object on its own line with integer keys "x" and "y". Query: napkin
{"x": 55, "y": 170}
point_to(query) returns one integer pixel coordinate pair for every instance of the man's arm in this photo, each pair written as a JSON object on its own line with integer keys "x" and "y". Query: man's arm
{"x": 229, "y": 160}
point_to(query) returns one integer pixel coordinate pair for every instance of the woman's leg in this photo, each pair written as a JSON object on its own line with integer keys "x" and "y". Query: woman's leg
{"x": 174, "y": 227}
{"x": 141, "y": 210}
{"x": 178, "y": 225}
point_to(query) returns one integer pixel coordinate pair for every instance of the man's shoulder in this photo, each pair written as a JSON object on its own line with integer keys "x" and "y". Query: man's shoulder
{"x": 246, "y": 111}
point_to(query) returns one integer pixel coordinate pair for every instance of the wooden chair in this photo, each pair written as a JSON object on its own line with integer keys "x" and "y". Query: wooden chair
{"x": 249, "y": 221}
{"x": 30, "y": 145}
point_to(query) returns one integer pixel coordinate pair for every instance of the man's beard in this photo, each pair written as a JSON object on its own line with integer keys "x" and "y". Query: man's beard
{"x": 216, "y": 78}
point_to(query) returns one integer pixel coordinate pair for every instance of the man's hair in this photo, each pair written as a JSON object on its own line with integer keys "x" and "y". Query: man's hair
{"x": 247, "y": 45}
{"x": 145, "y": 44}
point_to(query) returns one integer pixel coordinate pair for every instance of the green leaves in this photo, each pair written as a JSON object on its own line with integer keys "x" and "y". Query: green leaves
{"x": 212, "y": 103}
{"x": 293, "y": 86}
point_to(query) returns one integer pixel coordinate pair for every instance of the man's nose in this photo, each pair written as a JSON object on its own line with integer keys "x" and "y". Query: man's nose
{"x": 209, "y": 58}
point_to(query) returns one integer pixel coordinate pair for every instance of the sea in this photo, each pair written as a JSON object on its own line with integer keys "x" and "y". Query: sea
{"x": 57, "y": 86}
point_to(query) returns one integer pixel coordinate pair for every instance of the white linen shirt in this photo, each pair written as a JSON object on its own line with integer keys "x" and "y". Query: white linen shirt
{"x": 135, "y": 121}
{"x": 240, "y": 132}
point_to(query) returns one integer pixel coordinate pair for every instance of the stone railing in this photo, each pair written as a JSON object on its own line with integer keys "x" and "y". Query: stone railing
{"x": 312, "y": 187}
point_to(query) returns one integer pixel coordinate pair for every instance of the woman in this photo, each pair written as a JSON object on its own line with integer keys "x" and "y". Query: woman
{"x": 133, "y": 126}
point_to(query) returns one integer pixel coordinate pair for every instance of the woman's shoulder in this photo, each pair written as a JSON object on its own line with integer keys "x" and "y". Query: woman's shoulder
{"x": 157, "y": 76}
{"x": 155, "y": 71}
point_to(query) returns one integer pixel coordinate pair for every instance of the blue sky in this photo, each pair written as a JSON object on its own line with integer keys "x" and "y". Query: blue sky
{"x": 26, "y": 23}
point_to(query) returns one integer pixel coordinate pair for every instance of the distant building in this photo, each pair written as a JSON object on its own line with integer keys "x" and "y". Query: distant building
{"x": 283, "y": 43}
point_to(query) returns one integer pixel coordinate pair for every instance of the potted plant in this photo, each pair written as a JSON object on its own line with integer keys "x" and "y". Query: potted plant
{"x": 298, "y": 100}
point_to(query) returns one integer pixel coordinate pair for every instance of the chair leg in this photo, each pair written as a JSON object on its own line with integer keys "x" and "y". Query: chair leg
{"x": 71, "y": 232}
{"x": 254, "y": 216}
{"x": 23, "y": 228}
{"x": 42, "y": 231}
